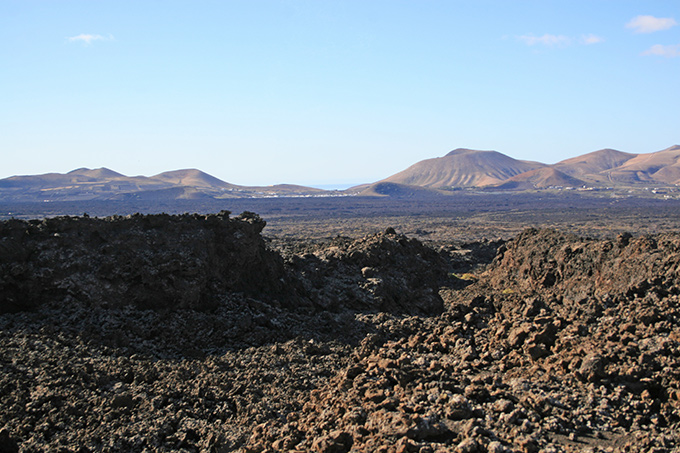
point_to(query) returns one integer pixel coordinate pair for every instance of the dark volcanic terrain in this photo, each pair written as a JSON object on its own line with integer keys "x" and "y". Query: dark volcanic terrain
{"x": 466, "y": 216}
{"x": 192, "y": 333}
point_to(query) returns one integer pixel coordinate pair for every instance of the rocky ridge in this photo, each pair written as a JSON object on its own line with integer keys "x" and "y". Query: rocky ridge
{"x": 149, "y": 261}
{"x": 559, "y": 343}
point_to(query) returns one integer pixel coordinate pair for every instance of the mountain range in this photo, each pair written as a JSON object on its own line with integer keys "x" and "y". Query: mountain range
{"x": 459, "y": 169}
{"x": 466, "y": 168}
{"x": 84, "y": 184}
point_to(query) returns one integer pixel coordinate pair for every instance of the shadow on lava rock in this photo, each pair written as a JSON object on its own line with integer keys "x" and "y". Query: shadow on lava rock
{"x": 192, "y": 284}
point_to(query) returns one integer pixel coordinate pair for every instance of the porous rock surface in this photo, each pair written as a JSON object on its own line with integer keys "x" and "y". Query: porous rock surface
{"x": 560, "y": 344}
{"x": 150, "y": 261}
{"x": 382, "y": 272}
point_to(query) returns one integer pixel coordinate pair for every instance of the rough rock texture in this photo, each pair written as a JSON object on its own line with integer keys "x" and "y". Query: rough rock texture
{"x": 150, "y": 261}
{"x": 512, "y": 365}
{"x": 382, "y": 272}
{"x": 546, "y": 350}
{"x": 575, "y": 268}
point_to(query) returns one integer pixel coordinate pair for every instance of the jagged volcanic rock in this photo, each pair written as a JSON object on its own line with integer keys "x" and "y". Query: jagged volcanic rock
{"x": 149, "y": 261}
{"x": 560, "y": 344}
{"x": 382, "y": 272}
{"x": 575, "y": 268}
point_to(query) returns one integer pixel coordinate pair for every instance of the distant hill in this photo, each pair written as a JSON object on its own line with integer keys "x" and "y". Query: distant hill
{"x": 193, "y": 178}
{"x": 615, "y": 168}
{"x": 82, "y": 178}
{"x": 98, "y": 173}
{"x": 662, "y": 166}
{"x": 85, "y": 184}
{"x": 463, "y": 168}
{"x": 541, "y": 178}
{"x": 593, "y": 163}
{"x": 466, "y": 168}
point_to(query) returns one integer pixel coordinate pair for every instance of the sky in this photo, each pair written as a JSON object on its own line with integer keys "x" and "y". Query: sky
{"x": 317, "y": 92}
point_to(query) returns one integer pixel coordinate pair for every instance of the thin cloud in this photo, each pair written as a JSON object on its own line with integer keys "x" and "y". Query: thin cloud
{"x": 663, "y": 51}
{"x": 549, "y": 40}
{"x": 650, "y": 24}
{"x": 88, "y": 39}
{"x": 545, "y": 40}
{"x": 591, "y": 39}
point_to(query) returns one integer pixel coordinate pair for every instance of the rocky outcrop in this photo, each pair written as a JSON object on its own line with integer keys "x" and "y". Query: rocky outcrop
{"x": 193, "y": 261}
{"x": 382, "y": 272}
{"x": 149, "y": 261}
{"x": 547, "y": 261}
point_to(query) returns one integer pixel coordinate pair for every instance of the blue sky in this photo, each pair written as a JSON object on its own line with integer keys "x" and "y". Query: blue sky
{"x": 259, "y": 92}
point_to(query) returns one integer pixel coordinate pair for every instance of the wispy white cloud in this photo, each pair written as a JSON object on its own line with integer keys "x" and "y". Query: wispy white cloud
{"x": 591, "y": 39}
{"x": 87, "y": 38}
{"x": 549, "y": 40}
{"x": 663, "y": 51}
{"x": 545, "y": 40}
{"x": 650, "y": 24}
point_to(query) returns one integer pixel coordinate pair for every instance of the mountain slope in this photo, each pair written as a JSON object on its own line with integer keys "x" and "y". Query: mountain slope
{"x": 192, "y": 178}
{"x": 661, "y": 166}
{"x": 541, "y": 178}
{"x": 85, "y": 184}
{"x": 54, "y": 180}
{"x": 593, "y": 163}
{"x": 602, "y": 168}
{"x": 97, "y": 173}
{"x": 463, "y": 168}
{"x": 460, "y": 168}
{"x": 616, "y": 168}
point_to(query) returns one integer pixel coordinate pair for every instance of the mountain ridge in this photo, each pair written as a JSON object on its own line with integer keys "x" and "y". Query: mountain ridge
{"x": 103, "y": 184}
{"x": 460, "y": 168}
{"x": 540, "y": 178}
{"x": 468, "y": 168}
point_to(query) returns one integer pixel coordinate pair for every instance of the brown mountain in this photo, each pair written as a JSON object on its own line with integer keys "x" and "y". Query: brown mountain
{"x": 463, "y": 168}
{"x": 193, "y": 178}
{"x": 541, "y": 178}
{"x": 615, "y": 168}
{"x": 103, "y": 184}
{"x": 460, "y": 168}
{"x": 84, "y": 174}
{"x": 593, "y": 163}
{"x": 78, "y": 177}
{"x": 603, "y": 168}
{"x": 661, "y": 166}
